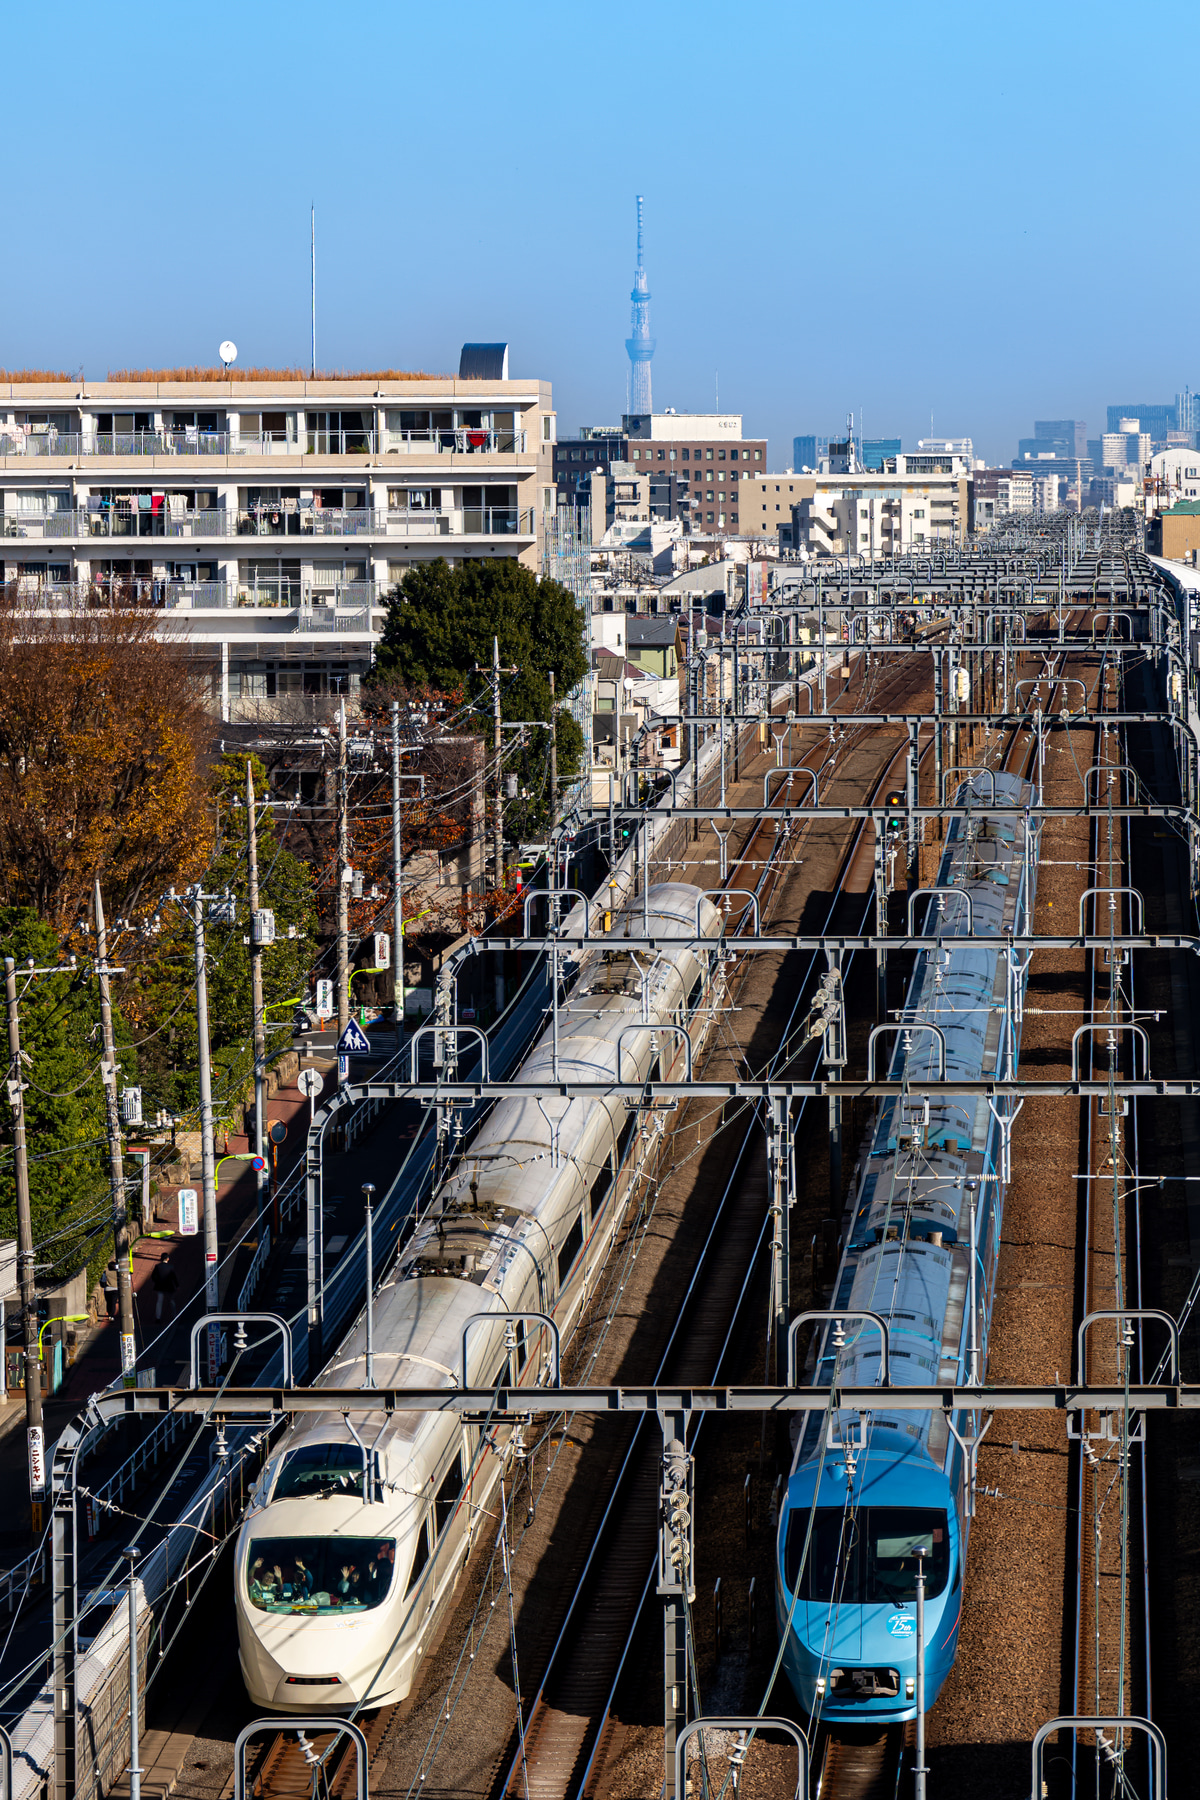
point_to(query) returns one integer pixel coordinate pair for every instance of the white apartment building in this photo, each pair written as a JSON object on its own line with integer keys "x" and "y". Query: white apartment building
{"x": 269, "y": 517}
{"x": 874, "y": 515}
{"x": 1174, "y": 475}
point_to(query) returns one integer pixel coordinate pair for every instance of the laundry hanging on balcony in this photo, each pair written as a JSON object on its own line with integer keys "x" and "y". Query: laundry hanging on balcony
{"x": 476, "y": 439}
{"x": 156, "y": 504}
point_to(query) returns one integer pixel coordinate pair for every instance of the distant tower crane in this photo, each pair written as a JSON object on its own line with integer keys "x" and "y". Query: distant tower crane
{"x": 641, "y": 345}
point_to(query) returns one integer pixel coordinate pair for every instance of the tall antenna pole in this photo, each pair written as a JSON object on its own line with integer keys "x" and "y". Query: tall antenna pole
{"x": 313, "y": 226}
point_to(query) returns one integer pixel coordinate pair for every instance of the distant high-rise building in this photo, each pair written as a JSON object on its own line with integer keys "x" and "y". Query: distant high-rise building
{"x": 1055, "y": 437}
{"x": 640, "y": 345}
{"x": 808, "y": 450}
{"x": 1152, "y": 417}
{"x": 875, "y": 452}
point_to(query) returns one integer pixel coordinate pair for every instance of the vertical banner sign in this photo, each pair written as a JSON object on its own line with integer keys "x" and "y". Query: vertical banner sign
{"x": 188, "y": 1213}
{"x": 37, "y": 1461}
{"x": 128, "y": 1354}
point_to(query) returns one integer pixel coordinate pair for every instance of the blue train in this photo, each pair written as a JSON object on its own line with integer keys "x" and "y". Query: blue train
{"x": 867, "y": 1492}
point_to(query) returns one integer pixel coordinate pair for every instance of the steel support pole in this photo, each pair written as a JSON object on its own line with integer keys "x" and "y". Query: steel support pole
{"x": 135, "y": 1772}
{"x": 397, "y": 883}
{"x": 913, "y": 767}
{"x": 880, "y": 927}
{"x": 497, "y": 738}
{"x": 778, "y": 1200}
{"x": 122, "y": 1241}
{"x": 261, "y": 1178}
{"x": 34, "y": 1434}
{"x": 64, "y": 1586}
{"x": 343, "y": 882}
{"x": 369, "y": 1197}
{"x": 919, "y": 1770}
{"x": 207, "y": 1153}
{"x": 675, "y": 1581}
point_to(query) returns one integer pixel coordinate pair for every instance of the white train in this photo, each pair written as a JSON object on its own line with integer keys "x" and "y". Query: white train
{"x": 337, "y": 1595}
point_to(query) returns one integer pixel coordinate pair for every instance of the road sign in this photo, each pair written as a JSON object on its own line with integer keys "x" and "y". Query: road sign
{"x": 258, "y": 1162}
{"x": 354, "y": 1041}
{"x": 325, "y": 999}
{"x": 188, "y": 1221}
{"x": 310, "y": 1082}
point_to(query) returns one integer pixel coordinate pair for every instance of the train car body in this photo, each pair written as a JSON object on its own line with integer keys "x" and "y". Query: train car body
{"x": 865, "y": 1493}
{"x": 339, "y": 1591}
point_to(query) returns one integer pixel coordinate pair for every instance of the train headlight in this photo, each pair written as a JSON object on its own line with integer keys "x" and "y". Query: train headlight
{"x": 820, "y": 1684}
{"x": 910, "y": 1688}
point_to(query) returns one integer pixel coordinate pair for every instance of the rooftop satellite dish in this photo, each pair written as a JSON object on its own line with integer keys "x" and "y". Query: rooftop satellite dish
{"x": 228, "y": 352}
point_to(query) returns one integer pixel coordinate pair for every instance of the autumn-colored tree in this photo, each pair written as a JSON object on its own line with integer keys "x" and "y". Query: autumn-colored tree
{"x": 102, "y": 736}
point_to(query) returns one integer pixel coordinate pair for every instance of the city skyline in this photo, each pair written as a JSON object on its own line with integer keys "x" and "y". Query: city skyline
{"x": 899, "y": 313}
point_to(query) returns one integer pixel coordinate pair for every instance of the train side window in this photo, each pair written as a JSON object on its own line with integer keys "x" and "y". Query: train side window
{"x": 448, "y": 1495}
{"x": 420, "y": 1559}
{"x": 570, "y": 1250}
{"x": 599, "y": 1189}
{"x": 696, "y": 995}
{"x": 627, "y": 1131}
{"x": 522, "y": 1346}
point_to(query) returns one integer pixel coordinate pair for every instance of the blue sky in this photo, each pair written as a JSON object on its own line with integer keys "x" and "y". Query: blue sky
{"x": 981, "y": 213}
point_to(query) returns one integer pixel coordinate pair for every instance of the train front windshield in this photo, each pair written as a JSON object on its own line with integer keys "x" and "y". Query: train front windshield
{"x": 320, "y": 1574}
{"x": 319, "y": 1468}
{"x": 866, "y": 1556}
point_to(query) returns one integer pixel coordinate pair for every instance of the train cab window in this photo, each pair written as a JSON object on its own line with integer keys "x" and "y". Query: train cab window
{"x": 570, "y": 1250}
{"x": 448, "y": 1495}
{"x": 867, "y": 1558}
{"x": 319, "y": 1574}
{"x": 315, "y": 1469}
{"x": 419, "y": 1559}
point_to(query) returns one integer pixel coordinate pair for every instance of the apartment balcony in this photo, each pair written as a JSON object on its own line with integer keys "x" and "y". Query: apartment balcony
{"x": 300, "y": 605}
{"x": 278, "y": 520}
{"x": 458, "y": 440}
{"x": 73, "y": 445}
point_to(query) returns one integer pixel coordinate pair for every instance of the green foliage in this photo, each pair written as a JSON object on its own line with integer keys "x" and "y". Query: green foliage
{"x": 170, "y": 1057}
{"x": 439, "y": 632}
{"x": 64, "y": 1101}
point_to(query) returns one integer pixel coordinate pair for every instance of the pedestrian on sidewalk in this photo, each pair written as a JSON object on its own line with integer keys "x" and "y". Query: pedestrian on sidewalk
{"x": 108, "y": 1281}
{"x": 164, "y": 1281}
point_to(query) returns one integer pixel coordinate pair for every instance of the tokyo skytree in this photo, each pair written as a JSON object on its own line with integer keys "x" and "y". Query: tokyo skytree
{"x": 641, "y": 345}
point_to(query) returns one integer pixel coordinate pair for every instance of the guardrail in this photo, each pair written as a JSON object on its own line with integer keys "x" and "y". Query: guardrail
{"x": 14, "y": 1581}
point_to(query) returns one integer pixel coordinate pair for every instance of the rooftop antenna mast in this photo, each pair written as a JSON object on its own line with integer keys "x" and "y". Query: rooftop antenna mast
{"x": 313, "y": 230}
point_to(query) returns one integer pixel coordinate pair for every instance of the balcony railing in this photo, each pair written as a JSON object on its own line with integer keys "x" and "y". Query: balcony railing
{"x": 344, "y": 607}
{"x": 460, "y": 440}
{"x": 498, "y": 521}
{"x": 117, "y": 521}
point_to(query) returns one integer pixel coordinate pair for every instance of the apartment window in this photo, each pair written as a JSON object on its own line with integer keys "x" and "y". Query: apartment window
{"x": 720, "y": 456}
{"x": 546, "y": 429}
{"x": 686, "y": 455}
{"x": 662, "y": 456}
{"x": 757, "y": 454}
{"x": 708, "y": 455}
{"x": 672, "y": 456}
{"x": 708, "y": 516}
{"x": 709, "y": 494}
{"x": 575, "y": 455}
{"x": 735, "y": 518}
{"x": 918, "y": 512}
{"x": 777, "y": 504}
{"x": 721, "y": 519}
{"x": 637, "y": 456}
{"x": 721, "y": 475}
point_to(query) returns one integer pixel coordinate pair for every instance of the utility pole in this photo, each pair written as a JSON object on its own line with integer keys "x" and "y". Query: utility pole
{"x": 553, "y": 756}
{"x": 343, "y": 879}
{"x": 256, "y": 995}
{"x": 34, "y": 1435}
{"x": 498, "y": 825}
{"x": 207, "y": 1155}
{"x": 397, "y": 874}
{"x": 116, "y": 1165}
